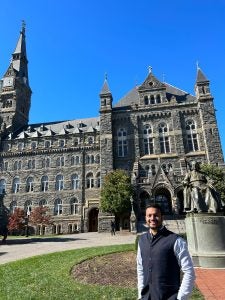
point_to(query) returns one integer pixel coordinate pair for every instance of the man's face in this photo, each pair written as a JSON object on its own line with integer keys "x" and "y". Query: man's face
{"x": 153, "y": 218}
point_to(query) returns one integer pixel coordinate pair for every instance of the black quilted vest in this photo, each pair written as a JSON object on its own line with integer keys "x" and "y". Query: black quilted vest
{"x": 162, "y": 273}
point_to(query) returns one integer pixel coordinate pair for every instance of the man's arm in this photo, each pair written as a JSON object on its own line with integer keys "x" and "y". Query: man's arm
{"x": 140, "y": 272}
{"x": 185, "y": 261}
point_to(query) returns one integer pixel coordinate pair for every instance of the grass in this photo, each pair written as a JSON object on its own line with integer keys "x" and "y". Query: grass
{"x": 47, "y": 277}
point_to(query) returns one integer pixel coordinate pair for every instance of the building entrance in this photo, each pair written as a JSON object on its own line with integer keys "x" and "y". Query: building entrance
{"x": 93, "y": 220}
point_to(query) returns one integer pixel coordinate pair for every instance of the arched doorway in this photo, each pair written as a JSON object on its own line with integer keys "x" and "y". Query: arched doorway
{"x": 93, "y": 220}
{"x": 163, "y": 197}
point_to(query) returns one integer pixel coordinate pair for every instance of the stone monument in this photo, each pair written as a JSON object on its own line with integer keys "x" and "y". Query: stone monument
{"x": 205, "y": 220}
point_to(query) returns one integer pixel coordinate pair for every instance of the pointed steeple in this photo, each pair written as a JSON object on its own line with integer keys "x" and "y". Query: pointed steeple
{"x": 202, "y": 89}
{"x": 105, "y": 96}
{"x": 15, "y": 82}
{"x": 201, "y": 76}
{"x": 19, "y": 57}
{"x": 105, "y": 88}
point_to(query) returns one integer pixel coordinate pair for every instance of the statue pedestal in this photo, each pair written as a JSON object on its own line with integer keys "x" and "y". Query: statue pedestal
{"x": 206, "y": 239}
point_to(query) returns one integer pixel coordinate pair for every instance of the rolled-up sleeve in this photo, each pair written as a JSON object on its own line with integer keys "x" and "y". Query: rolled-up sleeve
{"x": 140, "y": 273}
{"x": 185, "y": 261}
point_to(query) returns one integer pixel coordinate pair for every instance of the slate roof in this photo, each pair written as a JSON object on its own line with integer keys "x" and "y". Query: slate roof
{"x": 132, "y": 97}
{"x": 57, "y": 128}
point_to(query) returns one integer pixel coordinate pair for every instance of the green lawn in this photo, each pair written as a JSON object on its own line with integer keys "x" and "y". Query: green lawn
{"x": 48, "y": 277}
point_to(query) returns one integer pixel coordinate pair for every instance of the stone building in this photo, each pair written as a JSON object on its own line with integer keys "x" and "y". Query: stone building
{"x": 152, "y": 133}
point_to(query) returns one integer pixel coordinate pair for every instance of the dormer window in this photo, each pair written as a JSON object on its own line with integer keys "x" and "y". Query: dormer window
{"x": 61, "y": 143}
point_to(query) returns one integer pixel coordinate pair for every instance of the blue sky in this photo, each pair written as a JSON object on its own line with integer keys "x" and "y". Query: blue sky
{"x": 71, "y": 44}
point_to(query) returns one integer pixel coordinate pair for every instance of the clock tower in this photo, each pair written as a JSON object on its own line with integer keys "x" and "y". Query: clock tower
{"x": 15, "y": 92}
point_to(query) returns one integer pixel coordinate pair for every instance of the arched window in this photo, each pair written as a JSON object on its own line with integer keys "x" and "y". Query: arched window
{"x": 158, "y": 99}
{"x": 164, "y": 138}
{"x": 90, "y": 140}
{"x": 20, "y": 147}
{"x": 152, "y": 99}
{"x": 30, "y": 184}
{"x": 76, "y": 142}
{"x": 92, "y": 159}
{"x": 15, "y": 165}
{"x": 33, "y": 145}
{"x": 97, "y": 159}
{"x": 16, "y": 185}
{"x": 87, "y": 159}
{"x": 153, "y": 170}
{"x": 58, "y": 207}
{"x": 61, "y": 143}
{"x": 192, "y": 139}
{"x": 2, "y": 186}
{"x": 12, "y": 207}
{"x": 74, "y": 206}
{"x": 47, "y": 144}
{"x": 75, "y": 182}
{"x": 146, "y": 100}
{"x": 60, "y": 161}
{"x": 122, "y": 142}
{"x": 89, "y": 181}
{"x": 98, "y": 180}
{"x": 28, "y": 207}
{"x": 31, "y": 164}
{"x": 44, "y": 183}
{"x": 43, "y": 203}
{"x": 77, "y": 160}
{"x": 148, "y": 140}
{"x": 59, "y": 184}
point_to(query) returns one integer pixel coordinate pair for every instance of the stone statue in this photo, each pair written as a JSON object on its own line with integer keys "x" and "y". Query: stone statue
{"x": 199, "y": 193}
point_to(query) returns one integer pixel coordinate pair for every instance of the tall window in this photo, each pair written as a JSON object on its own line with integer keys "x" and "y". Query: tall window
{"x": 28, "y": 207}
{"x": 47, "y": 144}
{"x": 192, "y": 139}
{"x": 98, "y": 180}
{"x": 75, "y": 182}
{"x": 59, "y": 184}
{"x": 60, "y": 161}
{"x": 74, "y": 206}
{"x": 31, "y": 164}
{"x": 89, "y": 181}
{"x": 33, "y": 145}
{"x": 164, "y": 138}
{"x": 12, "y": 206}
{"x": 122, "y": 142}
{"x": 44, "y": 183}
{"x": 58, "y": 207}
{"x": 17, "y": 165}
{"x": 16, "y": 185}
{"x": 43, "y": 203}
{"x": 148, "y": 140}
{"x": 2, "y": 186}
{"x": 61, "y": 143}
{"x": 30, "y": 184}
{"x": 97, "y": 159}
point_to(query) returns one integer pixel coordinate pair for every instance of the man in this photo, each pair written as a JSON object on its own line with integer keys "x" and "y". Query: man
{"x": 161, "y": 256}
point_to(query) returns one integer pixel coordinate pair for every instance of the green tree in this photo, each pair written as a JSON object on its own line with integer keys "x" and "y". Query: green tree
{"x": 116, "y": 192}
{"x": 218, "y": 176}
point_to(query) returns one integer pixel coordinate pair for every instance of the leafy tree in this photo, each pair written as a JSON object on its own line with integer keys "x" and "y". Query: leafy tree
{"x": 39, "y": 216}
{"x": 218, "y": 176}
{"x": 116, "y": 192}
{"x": 17, "y": 220}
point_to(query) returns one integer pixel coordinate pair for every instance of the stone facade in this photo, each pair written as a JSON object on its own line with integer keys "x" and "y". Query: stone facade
{"x": 152, "y": 133}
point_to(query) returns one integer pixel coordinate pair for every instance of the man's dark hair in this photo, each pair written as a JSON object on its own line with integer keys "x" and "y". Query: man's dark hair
{"x": 155, "y": 205}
